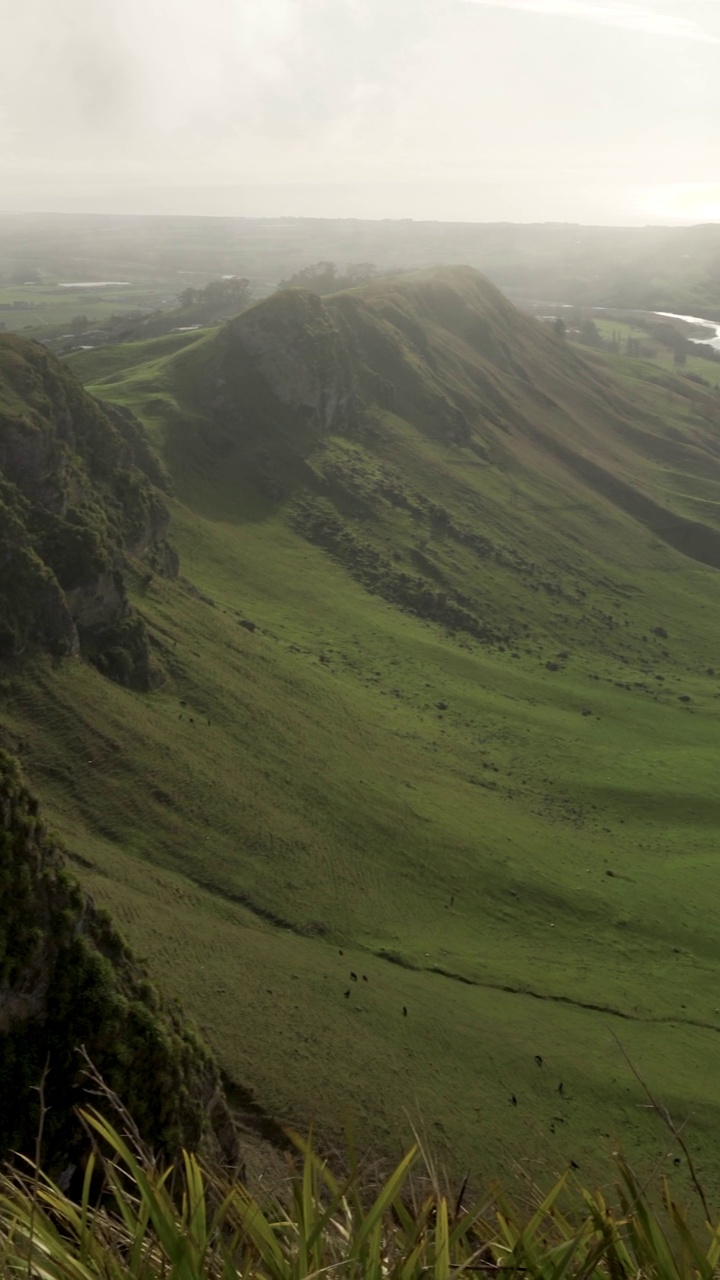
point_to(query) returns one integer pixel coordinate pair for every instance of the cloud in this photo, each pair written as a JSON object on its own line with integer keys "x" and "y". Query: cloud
{"x": 610, "y": 13}
{"x": 375, "y": 93}
{"x": 238, "y": 85}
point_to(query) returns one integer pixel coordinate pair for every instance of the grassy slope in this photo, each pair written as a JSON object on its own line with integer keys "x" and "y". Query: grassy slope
{"x": 296, "y": 791}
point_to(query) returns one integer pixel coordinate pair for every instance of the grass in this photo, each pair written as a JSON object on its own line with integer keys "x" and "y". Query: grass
{"x": 46, "y": 307}
{"x": 620, "y": 331}
{"x": 350, "y": 788}
{"x": 193, "y": 1223}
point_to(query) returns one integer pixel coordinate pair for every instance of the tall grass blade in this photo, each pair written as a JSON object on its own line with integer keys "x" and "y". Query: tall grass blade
{"x": 441, "y": 1269}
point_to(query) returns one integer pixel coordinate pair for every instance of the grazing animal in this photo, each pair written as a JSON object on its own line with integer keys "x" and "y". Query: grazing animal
{"x": 404, "y": 1011}
{"x": 538, "y": 1059}
{"x": 513, "y": 1099}
{"x": 364, "y": 977}
{"x": 341, "y": 952}
{"x": 561, "y": 1089}
{"x": 347, "y": 994}
{"x": 353, "y": 976}
{"x": 573, "y": 1165}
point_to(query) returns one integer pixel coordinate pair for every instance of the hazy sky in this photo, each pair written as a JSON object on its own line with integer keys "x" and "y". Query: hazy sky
{"x": 529, "y": 110}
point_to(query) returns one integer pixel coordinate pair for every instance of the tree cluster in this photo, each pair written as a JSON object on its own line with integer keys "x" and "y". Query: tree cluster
{"x": 323, "y": 277}
{"x": 233, "y": 293}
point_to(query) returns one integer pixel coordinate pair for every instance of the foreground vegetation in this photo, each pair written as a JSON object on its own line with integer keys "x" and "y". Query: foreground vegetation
{"x": 132, "y": 1219}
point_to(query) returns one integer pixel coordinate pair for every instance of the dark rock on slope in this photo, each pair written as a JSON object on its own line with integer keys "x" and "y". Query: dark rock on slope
{"x": 295, "y": 346}
{"x": 79, "y": 500}
{"x": 67, "y": 980}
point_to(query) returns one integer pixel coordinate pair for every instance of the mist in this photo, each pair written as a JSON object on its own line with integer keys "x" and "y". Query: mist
{"x": 520, "y": 110}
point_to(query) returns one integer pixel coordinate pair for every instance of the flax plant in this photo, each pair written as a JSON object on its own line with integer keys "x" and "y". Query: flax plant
{"x": 194, "y": 1223}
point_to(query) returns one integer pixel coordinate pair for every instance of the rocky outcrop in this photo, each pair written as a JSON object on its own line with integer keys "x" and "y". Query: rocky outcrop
{"x": 292, "y": 342}
{"x": 67, "y": 981}
{"x": 101, "y": 602}
{"x": 79, "y": 499}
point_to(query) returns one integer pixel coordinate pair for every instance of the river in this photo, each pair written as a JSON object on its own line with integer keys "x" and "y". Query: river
{"x": 698, "y": 321}
{"x": 705, "y": 324}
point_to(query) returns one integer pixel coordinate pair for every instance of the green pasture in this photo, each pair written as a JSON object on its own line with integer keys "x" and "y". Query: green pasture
{"x": 621, "y": 331}
{"x": 49, "y": 306}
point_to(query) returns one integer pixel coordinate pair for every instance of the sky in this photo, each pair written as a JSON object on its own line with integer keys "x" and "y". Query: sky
{"x": 594, "y": 111}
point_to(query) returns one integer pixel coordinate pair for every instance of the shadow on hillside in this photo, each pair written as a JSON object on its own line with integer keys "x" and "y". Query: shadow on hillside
{"x": 661, "y": 807}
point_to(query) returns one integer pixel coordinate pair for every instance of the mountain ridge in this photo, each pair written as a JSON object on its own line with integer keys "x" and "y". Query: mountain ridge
{"x": 549, "y": 425}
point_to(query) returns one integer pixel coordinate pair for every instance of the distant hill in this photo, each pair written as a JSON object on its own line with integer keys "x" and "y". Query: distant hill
{"x": 421, "y": 807}
{"x": 659, "y": 268}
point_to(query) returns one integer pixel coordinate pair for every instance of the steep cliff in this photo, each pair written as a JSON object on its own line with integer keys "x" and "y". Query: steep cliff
{"x": 79, "y": 499}
{"x": 294, "y": 345}
{"x": 68, "y": 981}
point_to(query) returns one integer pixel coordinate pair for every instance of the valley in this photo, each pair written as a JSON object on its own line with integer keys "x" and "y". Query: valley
{"x": 418, "y": 819}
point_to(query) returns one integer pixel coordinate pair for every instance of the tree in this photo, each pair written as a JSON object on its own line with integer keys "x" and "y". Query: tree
{"x": 320, "y": 278}
{"x": 361, "y": 273}
{"x": 590, "y": 334}
{"x": 219, "y": 298}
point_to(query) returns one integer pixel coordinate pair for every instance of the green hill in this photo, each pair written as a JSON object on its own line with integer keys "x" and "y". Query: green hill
{"x": 420, "y": 816}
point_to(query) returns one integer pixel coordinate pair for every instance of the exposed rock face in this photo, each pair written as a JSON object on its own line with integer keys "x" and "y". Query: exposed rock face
{"x": 99, "y": 602}
{"x": 67, "y": 980}
{"x": 293, "y": 343}
{"x": 56, "y": 627}
{"x": 79, "y": 495}
{"x": 33, "y": 460}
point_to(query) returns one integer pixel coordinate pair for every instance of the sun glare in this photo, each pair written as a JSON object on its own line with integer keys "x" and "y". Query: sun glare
{"x": 683, "y": 202}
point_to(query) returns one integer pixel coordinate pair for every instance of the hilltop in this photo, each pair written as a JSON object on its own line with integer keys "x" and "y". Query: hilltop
{"x": 436, "y": 707}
